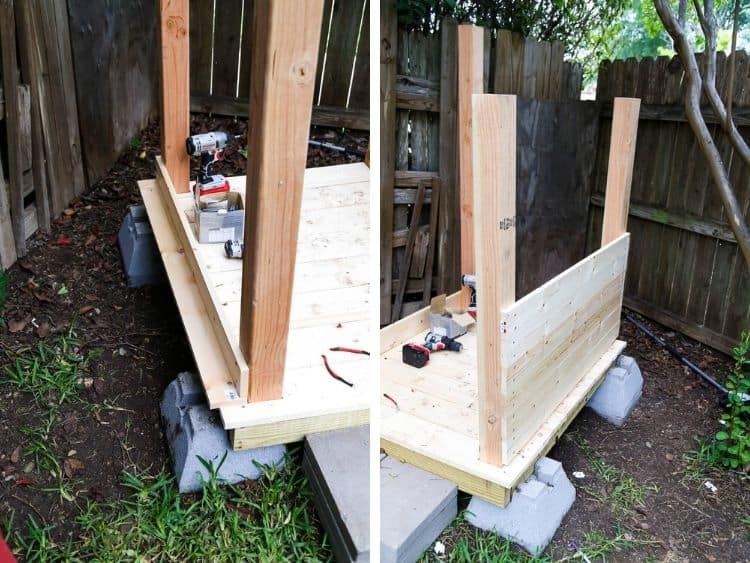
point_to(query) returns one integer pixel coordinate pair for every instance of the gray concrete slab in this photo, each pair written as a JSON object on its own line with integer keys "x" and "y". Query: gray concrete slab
{"x": 534, "y": 513}
{"x": 620, "y": 391}
{"x": 337, "y": 466}
{"x": 415, "y": 507}
{"x": 193, "y": 431}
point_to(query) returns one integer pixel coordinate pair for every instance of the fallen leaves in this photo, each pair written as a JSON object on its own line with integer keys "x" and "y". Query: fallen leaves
{"x": 71, "y": 466}
{"x": 17, "y": 325}
{"x": 16, "y": 455}
{"x": 63, "y": 240}
{"x": 43, "y": 330}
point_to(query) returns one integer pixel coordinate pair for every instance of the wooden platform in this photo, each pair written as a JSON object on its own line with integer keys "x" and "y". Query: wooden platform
{"x": 330, "y": 307}
{"x": 556, "y": 346}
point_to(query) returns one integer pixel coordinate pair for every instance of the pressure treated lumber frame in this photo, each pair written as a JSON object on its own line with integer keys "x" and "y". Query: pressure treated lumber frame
{"x": 258, "y": 326}
{"x": 483, "y": 417}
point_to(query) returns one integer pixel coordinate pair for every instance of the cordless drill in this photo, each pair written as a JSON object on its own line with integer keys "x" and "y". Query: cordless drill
{"x": 417, "y": 355}
{"x": 210, "y": 147}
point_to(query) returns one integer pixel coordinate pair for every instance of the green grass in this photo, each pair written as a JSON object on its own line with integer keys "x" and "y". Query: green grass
{"x": 52, "y": 372}
{"x": 622, "y": 491}
{"x": 470, "y": 545}
{"x": 4, "y": 285}
{"x": 270, "y": 520}
{"x": 699, "y": 463}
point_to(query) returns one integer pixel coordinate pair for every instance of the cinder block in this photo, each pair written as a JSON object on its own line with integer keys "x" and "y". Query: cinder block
{"x": 337, "y": 466}
{"x": 534, "y": 513}
{"x": 620, "y": 391}
{"x": 415, "y": 507}
{"x": 141, "y": 259}
{"x": 193, "y": 430}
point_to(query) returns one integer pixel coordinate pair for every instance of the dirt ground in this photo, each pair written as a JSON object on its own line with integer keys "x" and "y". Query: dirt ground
{"x": 73, "y": 276}
{"x": 679, "y": 517}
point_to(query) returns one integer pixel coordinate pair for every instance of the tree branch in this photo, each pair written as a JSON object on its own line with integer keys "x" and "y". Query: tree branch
{"x": 732, "y": 64}
{"x": 708, "y": 25}
{"x": 697, "y": 123}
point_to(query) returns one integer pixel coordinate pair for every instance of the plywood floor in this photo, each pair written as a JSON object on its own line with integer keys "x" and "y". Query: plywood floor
{"x": 330, "y": 307}
{"x": 435, "y": 422}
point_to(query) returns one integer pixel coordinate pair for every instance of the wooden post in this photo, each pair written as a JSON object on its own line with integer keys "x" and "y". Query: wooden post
{"x": 620, "y": 167}
{"x": 388, "y": 54}
{"x": 12, "y": 110}
{"x": 470, "y": 82}
{"x": 282, "y": 79}
{"x": 175, "y": 90}
{"x": 494, "y": 173}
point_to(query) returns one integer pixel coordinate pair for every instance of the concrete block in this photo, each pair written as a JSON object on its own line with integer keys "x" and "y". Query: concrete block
{"x": 535, "y": 511}
{"x": 337, "y": 466}
{"x": 415, "y": 507}
{"x": 141, "y": 259}
{"x": 193, "y": 430}
{"x": 620, "y": 391}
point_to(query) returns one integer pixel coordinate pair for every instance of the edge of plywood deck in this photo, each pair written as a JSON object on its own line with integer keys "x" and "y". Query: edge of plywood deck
{"x": 306, "y": 408}
{"x": 455, "y": 457}
{"x": 214, "y": 373}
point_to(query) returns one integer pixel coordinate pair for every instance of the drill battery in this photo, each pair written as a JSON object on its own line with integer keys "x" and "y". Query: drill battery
{"x": 415, "y": 355}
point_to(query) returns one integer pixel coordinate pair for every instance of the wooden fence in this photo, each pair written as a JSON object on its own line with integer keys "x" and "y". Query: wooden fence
{"x": 685, "y": 268}
{"x": 220, "y": 41}
{"x": 419, "y": 143}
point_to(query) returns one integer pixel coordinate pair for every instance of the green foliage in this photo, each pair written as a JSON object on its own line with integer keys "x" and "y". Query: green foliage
{"x": 701, "y": 461}
{"x": 50, "y": 372}
{"x": 733, "y": 440}
{"x": 270, "y": 520}
{"x": 4, "y": 285}
{"x": 569, "y": 21}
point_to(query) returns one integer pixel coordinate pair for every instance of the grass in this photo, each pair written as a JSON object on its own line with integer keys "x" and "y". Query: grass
{"x": 52, "y": 373}
{"x": 622, "y": 491}
{"x": 470, "y": 545}
{"x": 269, "y": 520}
{"x": 701, "y": 461}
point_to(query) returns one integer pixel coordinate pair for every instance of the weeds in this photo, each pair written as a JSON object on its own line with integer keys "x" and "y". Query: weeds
{"x": 733, "y": 440}
{"x": 623, "y": 491}
{"x": 267, "y": 521}
{"x": 52, "y": 373}
{"x": 4, "y": 284}
{"x": 699, "y": 461}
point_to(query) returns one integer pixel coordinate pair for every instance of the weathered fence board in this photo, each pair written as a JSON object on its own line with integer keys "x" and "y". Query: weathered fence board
{"x": 685, "y": 268}
{"x": 220, "y": 43}
{"x": 425, "y": 136}
{"x": 115, "y": 66}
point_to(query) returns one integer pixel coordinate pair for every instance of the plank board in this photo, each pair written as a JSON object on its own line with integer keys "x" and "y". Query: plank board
{"x": 330, "y": 299}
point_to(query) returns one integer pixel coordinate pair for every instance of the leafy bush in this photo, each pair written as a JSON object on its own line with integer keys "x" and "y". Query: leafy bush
{"x": 733, "y": 441}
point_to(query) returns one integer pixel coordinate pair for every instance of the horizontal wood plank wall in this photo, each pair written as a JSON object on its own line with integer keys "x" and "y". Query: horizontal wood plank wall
{"x": 554, "y": 336}
{"x": 220, "y": 45}
{"x": 425, "y": 137}
{"x": 685, "y": 269}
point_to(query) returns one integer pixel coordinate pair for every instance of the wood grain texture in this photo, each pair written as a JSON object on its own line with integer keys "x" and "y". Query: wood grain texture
{"x": 388, "y": 53}
{"x": 620, "y": 169}
{"x": 115, "y": 75}
{"x": 494, "y": 119}
{"x": 281, "y": 95}
{"x": 449, "y": 222}
{"x": 470, "y": 82}
{"x": 10, "y": 90}
{"x": 174, "y": 24}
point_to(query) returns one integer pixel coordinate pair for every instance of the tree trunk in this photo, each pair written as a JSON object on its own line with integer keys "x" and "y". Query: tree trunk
{"x": 692, "y": 108}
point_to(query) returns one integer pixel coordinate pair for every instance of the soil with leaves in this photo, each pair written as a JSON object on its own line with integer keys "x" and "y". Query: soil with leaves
{"x": 84, "y": 468}
{"x": 654, "y": 490}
